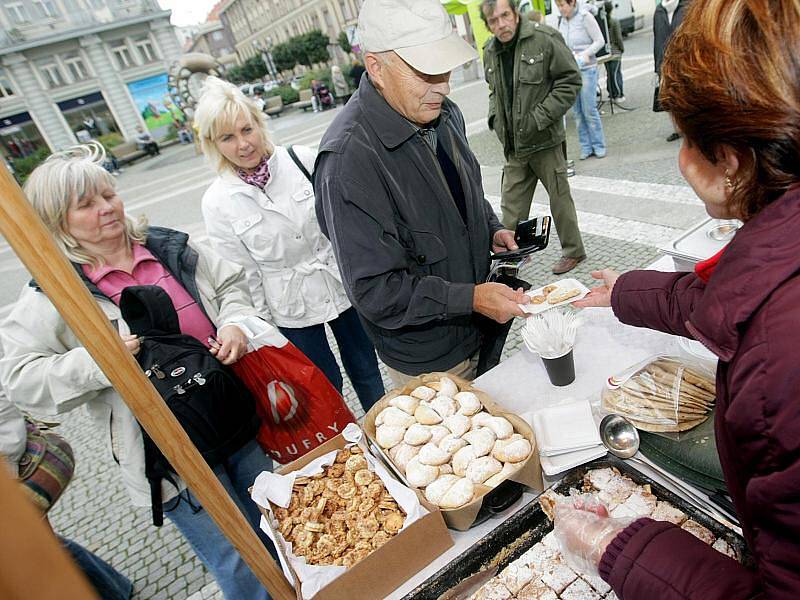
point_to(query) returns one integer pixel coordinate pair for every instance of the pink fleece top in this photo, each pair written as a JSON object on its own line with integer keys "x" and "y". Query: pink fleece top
{"x": 148, "y": 270}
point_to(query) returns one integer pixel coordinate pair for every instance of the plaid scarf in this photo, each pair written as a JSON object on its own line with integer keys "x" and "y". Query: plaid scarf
{"x": 259, "y": 176}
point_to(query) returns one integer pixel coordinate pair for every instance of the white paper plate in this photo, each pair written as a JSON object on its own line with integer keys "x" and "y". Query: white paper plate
{"x": 563, "y": 284}
{"x": 552, "y": 465}
{"x": 565, "y": 427}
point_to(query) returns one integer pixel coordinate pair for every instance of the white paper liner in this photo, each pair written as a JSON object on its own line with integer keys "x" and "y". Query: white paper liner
{"x": 278, "y": 489}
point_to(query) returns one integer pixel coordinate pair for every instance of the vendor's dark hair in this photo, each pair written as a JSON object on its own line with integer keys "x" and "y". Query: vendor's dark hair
{"x": 731, "y": 77}
{"x": 490, "y": 4}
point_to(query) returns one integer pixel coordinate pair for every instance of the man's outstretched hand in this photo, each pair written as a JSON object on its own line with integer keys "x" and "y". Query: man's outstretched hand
{"x": 498, "y": 301}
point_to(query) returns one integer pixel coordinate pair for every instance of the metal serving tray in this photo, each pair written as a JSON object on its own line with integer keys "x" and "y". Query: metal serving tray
{"x": 700, "y": 242}
{"x": 512, "y": 538}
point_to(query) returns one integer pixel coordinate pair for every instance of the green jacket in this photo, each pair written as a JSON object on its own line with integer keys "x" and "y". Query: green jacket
{"x": 547, "y": 82}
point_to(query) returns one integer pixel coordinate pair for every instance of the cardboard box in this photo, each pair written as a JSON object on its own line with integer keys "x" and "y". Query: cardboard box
{"x": 388, "y": 567}
{"x": 529, "y": 474}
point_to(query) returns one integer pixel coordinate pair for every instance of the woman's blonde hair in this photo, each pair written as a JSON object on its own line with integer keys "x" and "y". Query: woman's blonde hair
{"x": 221, "y": 103}
{"x": 67, "y": 175}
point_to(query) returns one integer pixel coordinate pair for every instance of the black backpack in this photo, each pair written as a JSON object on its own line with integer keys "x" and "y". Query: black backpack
{"x": 602, "y": 21}
{"x": 213, "y": 406}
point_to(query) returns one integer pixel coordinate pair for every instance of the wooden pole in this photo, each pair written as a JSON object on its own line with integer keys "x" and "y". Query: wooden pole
{"x": 32, "y": 563}
{"x": 53, "y": 272}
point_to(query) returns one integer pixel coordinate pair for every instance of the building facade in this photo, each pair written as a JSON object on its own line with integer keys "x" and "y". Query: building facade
{"x": 213, "y": 38}
{"x": 260, "y": 24}
{"x": 71, "y": 70}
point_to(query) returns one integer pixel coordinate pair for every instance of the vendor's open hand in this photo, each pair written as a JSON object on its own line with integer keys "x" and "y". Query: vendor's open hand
{"x": 584, "y": 530}
{"x": 230, "y": 345}
{"x": 599, "y": 295}
{"x": 132, "y": 343}
{"x": 503, "y": 241}
{"x": 498, "y": 301}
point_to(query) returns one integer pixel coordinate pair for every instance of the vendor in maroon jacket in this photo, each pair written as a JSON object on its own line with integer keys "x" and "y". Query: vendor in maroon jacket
{"x": 731, "y": 81}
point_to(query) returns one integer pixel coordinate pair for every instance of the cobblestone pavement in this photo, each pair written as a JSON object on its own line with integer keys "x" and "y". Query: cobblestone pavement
{"x": 629, "y": 204}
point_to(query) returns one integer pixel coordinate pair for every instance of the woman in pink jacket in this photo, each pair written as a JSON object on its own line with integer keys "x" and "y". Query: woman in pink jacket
{"x": 731, "y": 81}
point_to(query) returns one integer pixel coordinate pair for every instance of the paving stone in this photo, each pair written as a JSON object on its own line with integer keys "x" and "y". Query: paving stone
{"x": 176, "y": 587}
{"x": 147, "y": 592}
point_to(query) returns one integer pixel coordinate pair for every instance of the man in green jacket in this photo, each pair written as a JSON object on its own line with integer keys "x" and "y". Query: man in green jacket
{"x": 533, "y": 81}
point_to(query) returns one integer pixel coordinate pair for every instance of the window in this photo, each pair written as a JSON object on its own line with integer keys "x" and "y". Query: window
{"x": 217, "y": 36}
{"x": 17, "y": 13}
{"x": 52, "y": 75}
{"x": 45, "y": 9}
{"x": 145, "y": 47}
{"x": 75, "y": 66}
{"x": 122, "y": 55}
{"x": 5, "y": 85}
{"x": 96, "y": 3}
{"x": 346, "y": 12}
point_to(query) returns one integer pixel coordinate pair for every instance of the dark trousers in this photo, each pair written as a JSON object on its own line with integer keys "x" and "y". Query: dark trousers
{"x": 355, "y": 348}
{"x": 520, "y": 176}
{"x": 614, "y": 78}
{"x": 151, "y": 148}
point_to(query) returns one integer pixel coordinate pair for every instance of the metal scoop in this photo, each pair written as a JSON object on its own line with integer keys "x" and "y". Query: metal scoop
{"x": 621, "y": 438}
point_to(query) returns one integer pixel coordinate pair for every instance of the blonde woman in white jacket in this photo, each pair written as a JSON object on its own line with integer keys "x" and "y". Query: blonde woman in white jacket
{"x": 259, "y": 213}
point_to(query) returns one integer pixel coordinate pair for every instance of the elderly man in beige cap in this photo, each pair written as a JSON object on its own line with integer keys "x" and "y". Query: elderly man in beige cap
{"x": 399, "y": 194}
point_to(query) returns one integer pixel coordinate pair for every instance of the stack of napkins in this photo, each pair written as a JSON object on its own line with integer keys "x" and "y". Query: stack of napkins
{"x": 567, "y": 436}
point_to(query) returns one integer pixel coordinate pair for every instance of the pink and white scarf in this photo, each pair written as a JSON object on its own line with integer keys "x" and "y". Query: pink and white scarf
{"x": 258, "y": 176}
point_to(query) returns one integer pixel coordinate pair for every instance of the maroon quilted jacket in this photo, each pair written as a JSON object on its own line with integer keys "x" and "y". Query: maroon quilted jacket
{"x": 748, "y": 314}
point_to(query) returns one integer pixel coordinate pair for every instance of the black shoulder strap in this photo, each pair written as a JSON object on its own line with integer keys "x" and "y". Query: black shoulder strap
{"x": 299, "y": 164}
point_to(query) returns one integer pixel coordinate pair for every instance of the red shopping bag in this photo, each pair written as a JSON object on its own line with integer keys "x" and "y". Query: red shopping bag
{"x": 298, "y": 406}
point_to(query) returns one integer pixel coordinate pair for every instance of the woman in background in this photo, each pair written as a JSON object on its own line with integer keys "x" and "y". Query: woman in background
{"x": 582, "y": 35}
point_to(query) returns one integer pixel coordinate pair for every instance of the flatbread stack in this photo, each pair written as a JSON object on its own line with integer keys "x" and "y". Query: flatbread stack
{"x": 664, "y": 396}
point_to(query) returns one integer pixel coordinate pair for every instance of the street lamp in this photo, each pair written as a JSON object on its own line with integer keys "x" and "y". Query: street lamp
{"x": 272, "y": 67}
{"x": 266, "y": 56}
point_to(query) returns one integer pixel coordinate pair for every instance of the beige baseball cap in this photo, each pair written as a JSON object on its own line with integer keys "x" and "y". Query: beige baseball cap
{"x": 419, "y": 31}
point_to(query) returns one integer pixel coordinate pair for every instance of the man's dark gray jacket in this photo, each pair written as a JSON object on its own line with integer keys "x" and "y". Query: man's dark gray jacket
{"x": 408, "y": 261}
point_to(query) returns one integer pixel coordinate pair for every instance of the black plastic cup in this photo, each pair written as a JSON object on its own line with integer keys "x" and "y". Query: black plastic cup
{"x": 560, "y": 370}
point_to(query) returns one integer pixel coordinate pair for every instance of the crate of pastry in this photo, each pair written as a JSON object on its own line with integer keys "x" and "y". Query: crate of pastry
{"x": 564, "y": 291}
{"x": 452, "y": 443}
{"x": 521, "y": 557}
{"x": 338, "y": 518}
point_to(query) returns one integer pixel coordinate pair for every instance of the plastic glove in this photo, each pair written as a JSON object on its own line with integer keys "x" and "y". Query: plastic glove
{"x": 583, "y": 530}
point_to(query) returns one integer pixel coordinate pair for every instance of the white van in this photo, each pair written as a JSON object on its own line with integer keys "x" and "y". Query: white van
{"x": 623, "y": 12}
